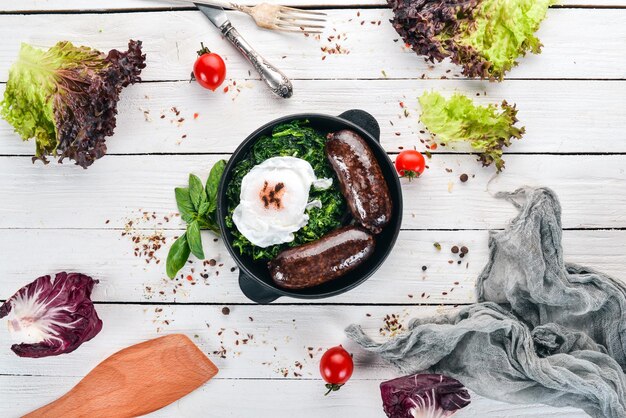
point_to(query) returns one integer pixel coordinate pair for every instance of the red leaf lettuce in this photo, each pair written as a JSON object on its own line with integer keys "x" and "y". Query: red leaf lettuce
{"x": 66, "y": 97}
{"x": 485, "y": 37}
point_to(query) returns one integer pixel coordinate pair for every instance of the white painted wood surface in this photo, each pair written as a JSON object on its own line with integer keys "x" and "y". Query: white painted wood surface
{"x": 571, "y": 99}
{"x": 104, "y": 5}
{"x": 575, "y": 42}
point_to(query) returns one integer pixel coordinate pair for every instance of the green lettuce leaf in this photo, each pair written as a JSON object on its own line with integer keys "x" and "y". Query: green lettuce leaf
{"x": 66, "y": 97}
{"x": 488, "y": 129}
{"x": 485, "y": 37}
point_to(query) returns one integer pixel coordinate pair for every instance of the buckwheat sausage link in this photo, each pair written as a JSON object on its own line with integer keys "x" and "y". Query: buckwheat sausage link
{"x": 360, "y": 178}
{"x": 317, "y": 262}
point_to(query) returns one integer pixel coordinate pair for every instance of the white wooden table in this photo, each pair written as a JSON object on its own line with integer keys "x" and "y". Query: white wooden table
{"x": 571, "y": 98}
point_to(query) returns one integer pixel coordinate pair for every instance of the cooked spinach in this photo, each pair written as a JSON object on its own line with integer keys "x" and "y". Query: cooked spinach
{"x": 295, "y": 139}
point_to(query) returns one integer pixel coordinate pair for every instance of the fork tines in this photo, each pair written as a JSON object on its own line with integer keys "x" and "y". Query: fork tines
{"x": 298, "y": 20}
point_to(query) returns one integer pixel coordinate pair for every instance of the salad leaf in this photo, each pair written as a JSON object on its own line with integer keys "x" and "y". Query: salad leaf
{"x": 485, "y": 37}
{"x": 52, "y": 316}
{"x": 66, "y": 97}
{"x": 488, "y": 129}
{"x": 423, "y": 396}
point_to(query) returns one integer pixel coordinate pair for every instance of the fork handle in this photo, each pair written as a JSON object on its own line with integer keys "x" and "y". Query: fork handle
{"x": 272, "y": 76}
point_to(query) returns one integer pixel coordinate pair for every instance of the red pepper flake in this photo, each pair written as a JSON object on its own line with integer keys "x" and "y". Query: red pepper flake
{"x": 226, "y": 89}
{"x": 189, "y": 277}
{"x": 433, "y": 146}
{"x": 195, "y": 115}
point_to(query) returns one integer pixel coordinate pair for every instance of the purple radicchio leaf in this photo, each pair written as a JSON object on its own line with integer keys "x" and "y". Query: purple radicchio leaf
{"x": 423, "y": 395}
{"x": 52, "y": 316}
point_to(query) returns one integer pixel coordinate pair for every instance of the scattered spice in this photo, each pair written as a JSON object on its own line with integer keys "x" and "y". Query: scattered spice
{"x": 464, "y": 177}
{"x": 225, "y": 310}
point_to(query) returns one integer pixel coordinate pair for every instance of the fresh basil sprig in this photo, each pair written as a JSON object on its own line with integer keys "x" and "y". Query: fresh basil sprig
{"x": 197, "y": 205}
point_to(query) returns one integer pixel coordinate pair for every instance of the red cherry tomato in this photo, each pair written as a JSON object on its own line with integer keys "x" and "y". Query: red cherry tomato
{"x": 209, "y": 69}
{"x": 336, "y": 367}
{"x": 410, "y": 163}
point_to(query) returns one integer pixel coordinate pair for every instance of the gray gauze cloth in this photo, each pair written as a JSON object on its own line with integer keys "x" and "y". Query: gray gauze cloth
{"x": 544, "y": 331}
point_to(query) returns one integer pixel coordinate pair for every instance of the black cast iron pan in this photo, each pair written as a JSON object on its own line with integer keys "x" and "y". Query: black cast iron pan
{"x": 254, "y": 279}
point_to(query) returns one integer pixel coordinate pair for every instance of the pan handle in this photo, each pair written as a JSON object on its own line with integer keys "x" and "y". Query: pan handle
{"x": 364, "y": 120}
{"x": 255, "y": 291}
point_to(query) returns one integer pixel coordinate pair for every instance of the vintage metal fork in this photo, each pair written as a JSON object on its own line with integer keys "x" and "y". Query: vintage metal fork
{"x": 275, "y": 17}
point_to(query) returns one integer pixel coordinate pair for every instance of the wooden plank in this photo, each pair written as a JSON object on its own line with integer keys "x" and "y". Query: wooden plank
{"x": 103, "y": 5}
{"x": 291, "y": 329}
{"x": 578, "y": 43}
{"x": 592, "y": 190}
{"x": 302, "y": 398}
{"x": 124, "y": 277}
{"x": 559, "y": 116}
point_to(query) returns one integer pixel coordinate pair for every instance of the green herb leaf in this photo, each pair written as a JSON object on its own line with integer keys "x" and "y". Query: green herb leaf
{"x": 195, "y": 240}
{"x": 183, "y": 201}
{"x": 213, "y": 183}
{"x": 177, "y": 257}
{"x": 203, "y": 210}
{"x": 196, "y": 192}
{"x": 209, "y": 222}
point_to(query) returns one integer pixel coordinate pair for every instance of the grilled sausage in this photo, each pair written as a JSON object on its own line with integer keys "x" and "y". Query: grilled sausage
{"x": 360, "y": 178}
{"x": 317, "y": 262}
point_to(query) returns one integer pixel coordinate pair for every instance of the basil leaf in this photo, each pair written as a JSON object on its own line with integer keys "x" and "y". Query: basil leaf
{"x": 177, "y": 256}
{"x": 195, "y": 240}
{"x": 183, "y": 201}
{"x": 209, "y": 222}
{"x": 204, "y": 208}
{"x": 213, "y": 183}
{"x": 196, "y": 191}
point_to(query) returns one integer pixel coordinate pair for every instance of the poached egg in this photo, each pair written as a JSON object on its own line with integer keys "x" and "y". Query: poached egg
{"x": 274, "y": 200}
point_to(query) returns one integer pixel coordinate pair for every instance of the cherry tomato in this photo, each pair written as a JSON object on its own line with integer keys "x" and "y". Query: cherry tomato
{"x": 209, "y": 69}
{"x": 410, "y": 163}
{"x": 336, "y": 367}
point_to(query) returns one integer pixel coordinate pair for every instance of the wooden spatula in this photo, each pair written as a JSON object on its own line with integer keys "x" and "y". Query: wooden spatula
{"x": 135, "y": 381}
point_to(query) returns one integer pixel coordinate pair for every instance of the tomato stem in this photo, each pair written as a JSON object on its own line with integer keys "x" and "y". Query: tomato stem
{"x": 410, "y": 174}
{"x": 332, "y": 387}
{"x": 203, "y": 50}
